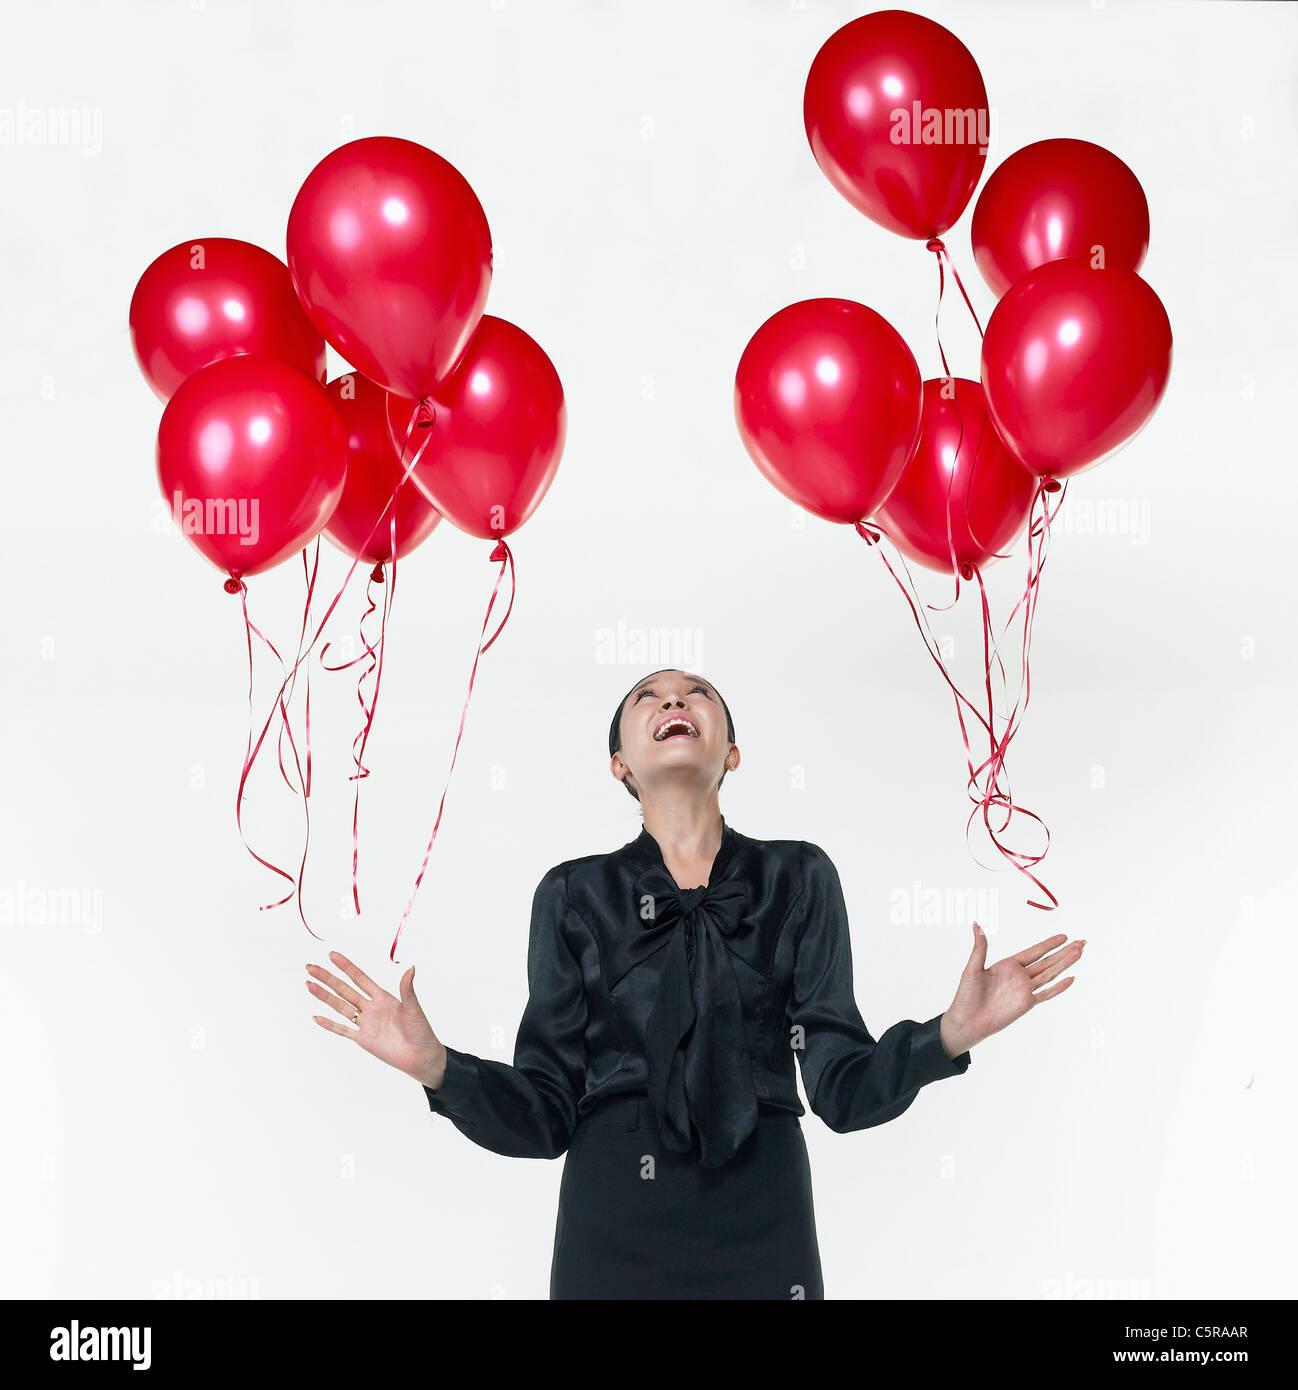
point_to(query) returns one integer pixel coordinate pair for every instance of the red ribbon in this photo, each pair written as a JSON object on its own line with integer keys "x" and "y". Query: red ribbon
{"x": 984, "y": 785}
{"x": 422, "y": 416}
{"x": 1037, "y": 543}
{"x": 502, "y": 553}
{"x": 938, "y": 247}
{"x": 309, "y": 576}
{"x": 994, "y": 765}
{"x": 374, "y": 654}
{"x": 250, "y": 755}
{"x": 871, "y": 536}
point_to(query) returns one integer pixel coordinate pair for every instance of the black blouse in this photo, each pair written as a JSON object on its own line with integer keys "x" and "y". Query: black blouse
{"x": 698, "y": 998}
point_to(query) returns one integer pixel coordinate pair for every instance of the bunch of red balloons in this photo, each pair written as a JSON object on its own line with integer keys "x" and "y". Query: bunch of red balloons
{"x": 388, "y": 260}
{"x": 1076, "y": 356}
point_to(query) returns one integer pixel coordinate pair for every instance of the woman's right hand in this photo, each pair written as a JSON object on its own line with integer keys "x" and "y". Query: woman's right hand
{"x": 393, "y": 1030}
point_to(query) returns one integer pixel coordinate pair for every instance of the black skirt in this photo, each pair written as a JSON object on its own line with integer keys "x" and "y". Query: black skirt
{"x": 639, "y": 1221}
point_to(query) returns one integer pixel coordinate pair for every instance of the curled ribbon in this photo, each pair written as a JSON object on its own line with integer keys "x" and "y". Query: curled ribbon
{"x": 503, "y": 554}
{"x": 938, "y": 248}
{"x": 987, "y": 784}
{"x": 984, "y": 784}
{"x": 373, "y": 655}
{"x": 250, "y": 754}
{"x": 422, "y": 416}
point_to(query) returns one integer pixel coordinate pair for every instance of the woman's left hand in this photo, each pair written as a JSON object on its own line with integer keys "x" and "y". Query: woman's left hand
{"x": 990, "y": 998}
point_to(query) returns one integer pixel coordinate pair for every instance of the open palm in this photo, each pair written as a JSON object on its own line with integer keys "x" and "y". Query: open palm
{"x": 395, "y": 1030}
{"x": 990, "y": 998}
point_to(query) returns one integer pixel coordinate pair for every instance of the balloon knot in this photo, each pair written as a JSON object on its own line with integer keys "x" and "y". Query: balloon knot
{"x": 1050, "y": 484}
{"x": 867, "y": 535}
{"x": 501, "y": 551}
{"x": 966, "y": 570}
{"x": 936, "y": 245}
{"x": 233, "y": 585}
{"x": 376, "y": 574}
{"x": 424, "y": 414}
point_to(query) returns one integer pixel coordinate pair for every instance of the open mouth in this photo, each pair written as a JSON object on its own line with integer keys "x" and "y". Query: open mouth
{"x": 675, "y": 727}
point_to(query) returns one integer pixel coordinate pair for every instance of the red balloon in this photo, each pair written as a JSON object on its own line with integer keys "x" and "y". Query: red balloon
{"x": 390, "y": 254}
{"x": 1074, "y": 362}
{"x": 827, "y": 400}
{"x": 896, "y": 113}
{"x": 1054, "y": 200}
{"x": 213, "y": 298}
{"x": 497, "y": 435}
{"x": 961, "y": 463}
{"x": 251, "y": 459}
{"x": 373, "y": 470}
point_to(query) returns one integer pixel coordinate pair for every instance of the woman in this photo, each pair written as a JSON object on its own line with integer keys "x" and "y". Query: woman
{"x": 672, "y": 982}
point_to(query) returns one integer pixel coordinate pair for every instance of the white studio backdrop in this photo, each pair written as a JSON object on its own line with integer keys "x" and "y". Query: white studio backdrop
{"x": 176, "y": 1123}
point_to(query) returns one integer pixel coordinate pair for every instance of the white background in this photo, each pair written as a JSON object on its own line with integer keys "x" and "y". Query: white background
{"x": 174, "y": 1120}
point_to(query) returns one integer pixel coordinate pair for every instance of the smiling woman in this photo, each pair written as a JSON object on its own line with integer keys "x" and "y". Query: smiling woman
{"x": 644, "y": 691}
{"x": 671, "y": 984}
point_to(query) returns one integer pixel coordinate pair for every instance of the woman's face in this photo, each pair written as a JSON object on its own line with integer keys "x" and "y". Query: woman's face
{"x": 673, "y": 727}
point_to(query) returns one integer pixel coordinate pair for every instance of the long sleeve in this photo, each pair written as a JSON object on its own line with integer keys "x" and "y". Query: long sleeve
{"x": 528, "y": 1110}
{"x": 852, "y": 1081}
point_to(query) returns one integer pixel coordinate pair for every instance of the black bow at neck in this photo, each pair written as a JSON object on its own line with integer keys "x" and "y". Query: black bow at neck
{"x": 700, "y": 1074}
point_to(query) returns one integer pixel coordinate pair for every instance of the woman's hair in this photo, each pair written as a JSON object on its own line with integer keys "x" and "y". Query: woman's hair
{"x": 615, "y": 729}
